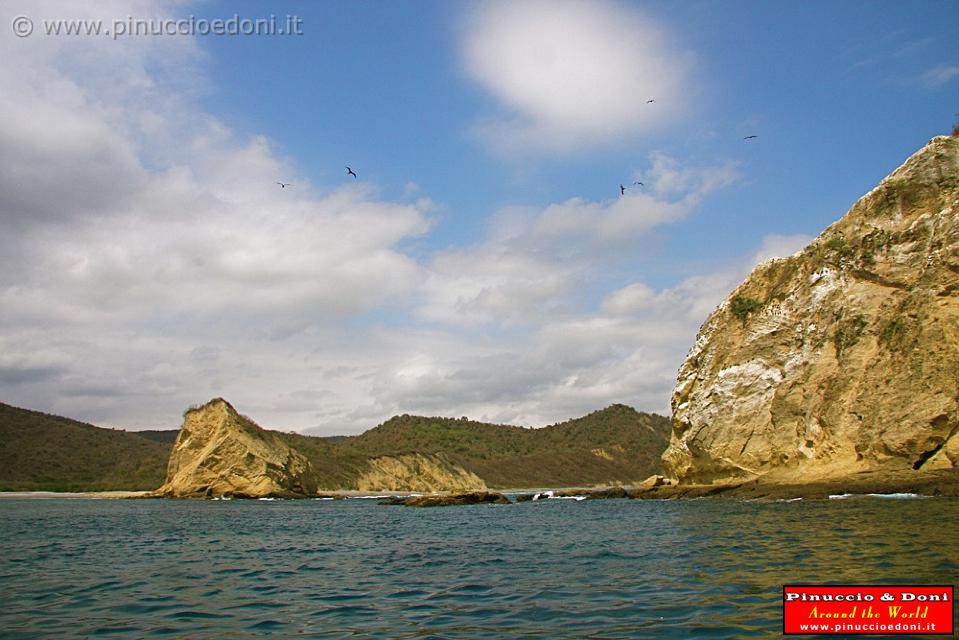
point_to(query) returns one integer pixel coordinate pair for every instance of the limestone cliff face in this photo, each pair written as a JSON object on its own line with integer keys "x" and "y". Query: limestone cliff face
{"x": 219, "y": 452}
{"x": 841, "y": 358}
{"x": 417, "y": 472}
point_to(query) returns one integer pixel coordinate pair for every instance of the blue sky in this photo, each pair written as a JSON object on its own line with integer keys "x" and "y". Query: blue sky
{"x": 383, "y": 84}
{"x": 834, "y": 90}
{"x": 484, "y": 262}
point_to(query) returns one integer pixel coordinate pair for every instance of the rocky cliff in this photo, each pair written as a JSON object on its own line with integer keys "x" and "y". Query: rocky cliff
{"x": 219, "y": 452}
{"x": 841, "y": 358}
{"x": 417, "y": 472}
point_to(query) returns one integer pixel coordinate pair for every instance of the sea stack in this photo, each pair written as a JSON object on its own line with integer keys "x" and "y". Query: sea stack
{"x": 220, "y": 452}
{"x": 841, "y": 358}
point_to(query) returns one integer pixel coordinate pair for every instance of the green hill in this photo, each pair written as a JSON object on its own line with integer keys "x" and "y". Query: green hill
{"x": 42, "y": 452}
{"x": 614, "y": 445}
{"x": 166, "y": 436}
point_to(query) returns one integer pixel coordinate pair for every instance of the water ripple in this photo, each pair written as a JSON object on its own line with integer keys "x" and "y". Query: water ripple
{"x": 353, "y": 569}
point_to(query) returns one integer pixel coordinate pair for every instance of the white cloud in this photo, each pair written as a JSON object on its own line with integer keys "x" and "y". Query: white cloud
{"x": 627, "y": 350}
{"x": 938, "y": 76}
{"x": 777, "y": 245}
{"x": 139, "y": 231}
{"x": 531, "y": 348}
{"x": 571, "y": 72}
{"x": 493, "y": 284}
{"x": 534, "y": 260}
{"x": 668, "y": 179}
{"x": 123, "y": 207}
{"x": 634, "y": 297}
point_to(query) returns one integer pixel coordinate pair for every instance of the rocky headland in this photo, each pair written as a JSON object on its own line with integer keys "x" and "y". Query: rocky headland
{"x": 220, "y": 452}
{"x": 839, "y": 364}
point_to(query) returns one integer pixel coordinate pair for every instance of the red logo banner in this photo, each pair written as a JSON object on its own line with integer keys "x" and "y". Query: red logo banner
{"x": 868, "y": 609}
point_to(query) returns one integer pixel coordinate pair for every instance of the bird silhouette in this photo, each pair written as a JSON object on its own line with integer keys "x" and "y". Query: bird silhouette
{"x": 284, "y": 185}
{"x": 650, "y": 101}
{"x": 750, "y": 137}
{"x": 622, "y": 190}
{"x": 640, "y": 184}
{"x": 350, "y": 172}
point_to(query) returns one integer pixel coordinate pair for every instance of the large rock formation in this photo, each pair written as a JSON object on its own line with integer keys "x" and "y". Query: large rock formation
{"x": 417, "y": 472}
{"x": 219, "y": 452}
{"x": 841, "y": 358}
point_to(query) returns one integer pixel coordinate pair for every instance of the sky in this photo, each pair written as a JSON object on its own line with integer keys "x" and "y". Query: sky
{"x": 483, "y": 262}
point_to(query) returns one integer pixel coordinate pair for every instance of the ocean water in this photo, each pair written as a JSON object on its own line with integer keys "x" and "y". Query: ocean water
{"x": 709, "y": 568}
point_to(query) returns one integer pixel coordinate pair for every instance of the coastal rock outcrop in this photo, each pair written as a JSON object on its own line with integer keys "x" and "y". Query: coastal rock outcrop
{"x": 220, "y": 452}
{"x": 417, "y": 472}
{"x": 473, "y": 497}
{"x": 842, "y": 358}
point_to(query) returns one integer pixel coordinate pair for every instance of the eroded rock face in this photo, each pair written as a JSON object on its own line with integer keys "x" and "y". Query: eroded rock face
{"x": 841, "y": 358}
{"x": 219, "y": 452}
{"x": 417, "y": 472}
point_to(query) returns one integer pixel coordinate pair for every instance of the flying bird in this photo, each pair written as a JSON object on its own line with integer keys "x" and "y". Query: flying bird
{"x": 350, "y": 172}
{"x": 650, "y": 101}
{"x": 640, "y": 184}
{"x": 622, "y": 190}
{"x": 284, "y": 185}
{"x": 750, "y": 137}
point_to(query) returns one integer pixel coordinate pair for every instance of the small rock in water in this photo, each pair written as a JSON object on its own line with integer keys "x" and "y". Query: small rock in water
{"x": 475, "y": 497}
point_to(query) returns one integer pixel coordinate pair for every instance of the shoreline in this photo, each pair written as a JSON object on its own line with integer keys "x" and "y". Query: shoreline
{"x": 75, "y": 495}
{"x": 939, "y": 483}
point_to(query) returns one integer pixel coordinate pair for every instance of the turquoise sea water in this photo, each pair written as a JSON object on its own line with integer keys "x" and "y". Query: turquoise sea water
{"x": 710, "y": 568}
